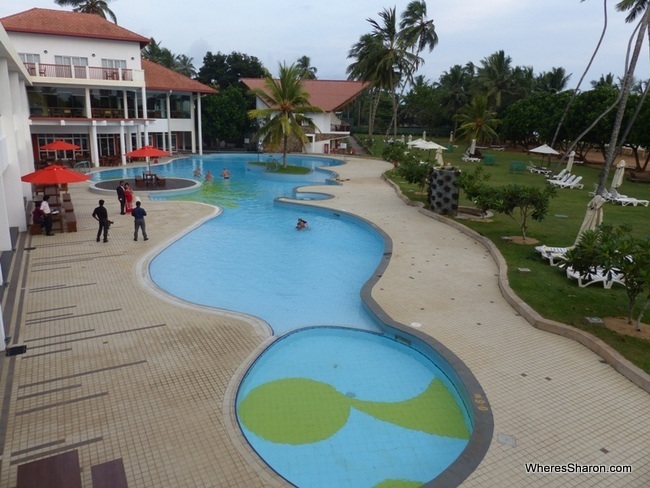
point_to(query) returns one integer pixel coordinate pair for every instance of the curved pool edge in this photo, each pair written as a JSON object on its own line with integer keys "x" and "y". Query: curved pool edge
{"x": 142, "y": 276}
{"x": 469, "y": 389}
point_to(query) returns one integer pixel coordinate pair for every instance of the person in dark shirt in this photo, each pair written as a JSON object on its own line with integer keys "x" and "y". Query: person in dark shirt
{"x": 121, "y": 197}
{"x": 100, "y": 214}
{"x": 138, "y": 214}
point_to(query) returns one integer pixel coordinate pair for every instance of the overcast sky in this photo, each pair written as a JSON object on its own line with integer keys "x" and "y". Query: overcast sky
{"x": 538, "y": 33}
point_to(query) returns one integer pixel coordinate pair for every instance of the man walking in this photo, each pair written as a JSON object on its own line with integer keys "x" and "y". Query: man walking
{"x": 138, "y": 214}
{"x": 100, "y": 214}
{"x": 121, "y": 197}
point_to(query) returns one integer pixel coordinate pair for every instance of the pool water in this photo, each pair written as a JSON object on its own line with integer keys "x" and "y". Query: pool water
{"x": 331, "y": 407}
{"x": 332, "y": 402}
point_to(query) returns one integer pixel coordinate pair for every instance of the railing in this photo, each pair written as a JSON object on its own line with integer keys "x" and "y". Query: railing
{"x": 57, "y": 112}
{"x": 340, "y": 128}
{"x": 78, "y": 72}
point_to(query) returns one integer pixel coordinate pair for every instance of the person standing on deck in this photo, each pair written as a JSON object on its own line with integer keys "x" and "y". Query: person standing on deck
{"x": 138, "y": 214}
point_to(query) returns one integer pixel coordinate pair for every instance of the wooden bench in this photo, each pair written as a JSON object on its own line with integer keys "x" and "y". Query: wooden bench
{"x": 139, "y": 182}
{"x": 66, "y": 197}
{"x": 109, "y": 474}
{"x": 161, "y": 182}
{"x": 71, "y": 222}
{"x": 67, "y": 207}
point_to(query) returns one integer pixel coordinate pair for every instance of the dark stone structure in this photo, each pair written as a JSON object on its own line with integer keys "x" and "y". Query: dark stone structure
{"x": 444, "y": 191}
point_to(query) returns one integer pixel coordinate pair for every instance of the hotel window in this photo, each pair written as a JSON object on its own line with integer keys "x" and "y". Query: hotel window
{"x": 71, "y": 60}
{"x": 113, "y": 63}
{"x": 30, "y": 58}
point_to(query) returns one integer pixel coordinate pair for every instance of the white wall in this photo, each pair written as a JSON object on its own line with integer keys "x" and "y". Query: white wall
{"x": 81, "y": 46}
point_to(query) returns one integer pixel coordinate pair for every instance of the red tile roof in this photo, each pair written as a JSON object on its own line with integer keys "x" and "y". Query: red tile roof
{"x": 71, "y": 24}
{"x": 329, "y": 95}
{"x": 158, "y": 77}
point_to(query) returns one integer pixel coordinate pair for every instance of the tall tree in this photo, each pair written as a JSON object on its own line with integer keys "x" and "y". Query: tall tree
{"x": 287, "y": 103}
{"x": 304, "y": 65}
{"x": 224, "y": 70}
{"x": 495, "y": 76}
{"x": 477, "y": 121}
{"x": 185, "y": 66}
{"x": 555, "y": 81}
{"x": 389, "y": 56}
{"x": 97, "y": 7}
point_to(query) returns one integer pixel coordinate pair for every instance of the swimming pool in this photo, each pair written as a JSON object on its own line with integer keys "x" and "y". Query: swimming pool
{"x": 306, "y": 286}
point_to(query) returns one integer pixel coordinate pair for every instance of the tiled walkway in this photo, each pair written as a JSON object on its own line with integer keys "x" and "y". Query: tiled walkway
{"x": 116, "y": 370}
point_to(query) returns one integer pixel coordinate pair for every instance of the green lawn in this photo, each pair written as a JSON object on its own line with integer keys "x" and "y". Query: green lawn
{"x": 546, "y": 288}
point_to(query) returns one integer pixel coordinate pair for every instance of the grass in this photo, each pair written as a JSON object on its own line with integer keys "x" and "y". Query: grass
{"x": 546, "y": 289}
{"x": 284, "y": 170}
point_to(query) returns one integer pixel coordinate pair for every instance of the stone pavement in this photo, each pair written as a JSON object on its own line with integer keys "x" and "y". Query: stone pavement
{"x": 118, "y": 370}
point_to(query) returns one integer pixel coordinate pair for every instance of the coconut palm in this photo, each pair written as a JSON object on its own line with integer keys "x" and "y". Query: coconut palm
{"x": 454, "y": 86}
{"x": 555, "y": 81}
{"x": 477, "y": 121}
{"x": 152, "y": 51}
{"x": 418, "y": 30}
{"x": 304, "y": 65}
{"x": 97, "y": 7}
{"x": 495, "y": 76}
{"x": 287, "y": 103}
{"x": 185, "y": 66}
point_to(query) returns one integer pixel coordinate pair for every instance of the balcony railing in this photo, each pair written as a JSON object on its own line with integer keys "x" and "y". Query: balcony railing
{"x": 340, "y": 128}
{"x": 43, "y": 70}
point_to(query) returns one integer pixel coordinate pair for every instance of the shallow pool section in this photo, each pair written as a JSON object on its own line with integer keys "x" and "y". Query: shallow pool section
{"x": 339, "y": 407}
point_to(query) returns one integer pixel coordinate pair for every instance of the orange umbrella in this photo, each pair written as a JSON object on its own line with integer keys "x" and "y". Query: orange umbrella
{"x": 60, "y": 146}
{"x": 147, "y": 152}
{"x": 54, "y": 175}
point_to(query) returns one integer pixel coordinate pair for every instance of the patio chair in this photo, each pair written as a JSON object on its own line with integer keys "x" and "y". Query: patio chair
{"x": 624, "y": 200}
{"x": 540, "y": 170}
{"x": 571, "y": 183}
{"x": 555, "y": 255}
{"x": 596, "y": 276}
{"x": 558, "y": 176}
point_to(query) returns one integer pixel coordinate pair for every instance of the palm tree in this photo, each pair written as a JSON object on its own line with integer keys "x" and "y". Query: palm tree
{"x": 304, "y": 65}
{"x": 185, "y": 66}
{"x": 97, "y": 7}
{"x": 555, "y": 81}
{"x": 152, "y": 51}
{"x": 477, "y": 121}
{"x": 454, "y": 85}
{"x": 496, "y": 77}
{"x": 604, "y": 80}
{"x": 287, "y": 103}
{"x": 417, "y": 30}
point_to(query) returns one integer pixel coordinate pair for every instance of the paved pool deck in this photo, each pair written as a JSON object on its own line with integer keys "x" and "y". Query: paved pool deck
{"x": 117, "y": 370}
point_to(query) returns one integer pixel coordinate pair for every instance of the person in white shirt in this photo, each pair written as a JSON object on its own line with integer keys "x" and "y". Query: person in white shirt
{"x": 47, "y": 215}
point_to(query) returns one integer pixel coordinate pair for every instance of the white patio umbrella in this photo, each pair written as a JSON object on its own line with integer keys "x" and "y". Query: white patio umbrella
{"x": 472, "y": 147}
{"x": 415, "y": 142}
{"x": 545, "y": 150}
{"x": 593, "y": 216}
{"x": 424, "y": 135}
{"x": 451, "y": 137}
{"x": 569, "y": 163}
{"x": 617, "y": 180}
{"x": 410, "y": 139}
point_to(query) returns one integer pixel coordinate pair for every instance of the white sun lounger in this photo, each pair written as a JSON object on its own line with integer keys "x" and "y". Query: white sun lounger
{"x": 598, "y": 276}
{"x": 555, "y": 255}
{"x": 624, "y": 200}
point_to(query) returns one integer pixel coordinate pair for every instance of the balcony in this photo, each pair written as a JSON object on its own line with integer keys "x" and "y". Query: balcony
{"x": 43, "y": 70}
{"x": 340, "y": 128}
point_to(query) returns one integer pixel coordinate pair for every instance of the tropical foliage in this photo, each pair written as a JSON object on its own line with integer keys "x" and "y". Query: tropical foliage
{"x": 287, "y": 103}
{"x": 615, "y": 252}
{"x": 96, "y": 7}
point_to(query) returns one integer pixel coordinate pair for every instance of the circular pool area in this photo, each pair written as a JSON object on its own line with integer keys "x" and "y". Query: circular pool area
{"x": 341, "y": 407}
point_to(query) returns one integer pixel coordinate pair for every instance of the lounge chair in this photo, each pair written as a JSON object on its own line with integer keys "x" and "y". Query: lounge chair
{"x": 624, "y": 200}
{"x": 469, "y": 158}
{"x": 558, "y": 176}
{"x": 596, "y": 276}
{"x": 539, "y": 169}
{"x": 571, "y": 183}
{"x": 161, "y": 182}
{"x": 555, "y": 255}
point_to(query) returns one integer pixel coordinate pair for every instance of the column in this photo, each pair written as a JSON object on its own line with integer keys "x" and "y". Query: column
{"x": 169, "y": 122}
{"x": 200, "y": 134}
